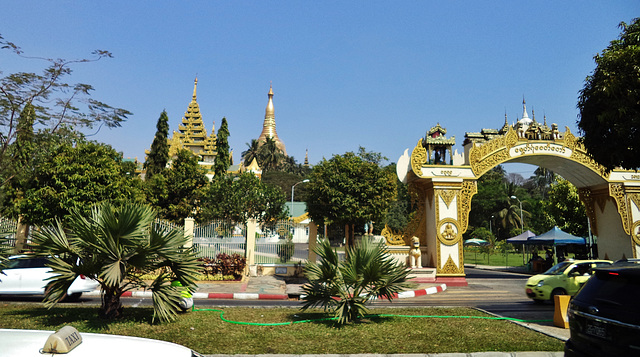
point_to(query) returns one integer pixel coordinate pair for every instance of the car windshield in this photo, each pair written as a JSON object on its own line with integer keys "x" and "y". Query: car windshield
{"x": 20, "y": 263}
{"x": 558, "y": 269}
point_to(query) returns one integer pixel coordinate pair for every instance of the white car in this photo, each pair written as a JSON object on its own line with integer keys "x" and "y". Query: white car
{"x": 27, "y": 343}
{"x": 27, "y": 276}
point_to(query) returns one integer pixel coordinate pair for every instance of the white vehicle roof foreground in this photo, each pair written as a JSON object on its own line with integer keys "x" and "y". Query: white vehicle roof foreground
{"x": 26, "y": 343}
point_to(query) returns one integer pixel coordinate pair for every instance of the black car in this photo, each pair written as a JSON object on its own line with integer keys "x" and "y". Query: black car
{"x": 604, "y": 317}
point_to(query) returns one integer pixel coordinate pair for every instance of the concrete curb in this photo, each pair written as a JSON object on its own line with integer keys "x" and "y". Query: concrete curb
{"x": 239, "y": 296}
{"x": 256, "y": 296}
{"x": 416, "y": 293}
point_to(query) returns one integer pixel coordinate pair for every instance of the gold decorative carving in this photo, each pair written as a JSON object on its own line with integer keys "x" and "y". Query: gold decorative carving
{"x": 450, "y": 267}
{"x": 483, "y": 158}
{"x": 616, "y": 190}
{"x": 447, "y": 196}
{"x": 448, "y": 231}
{"x": 417, "y": 226}
{"x": 469, "y": 188}
{"x": 635, "y": 232}
{"x": 418, "y": 158}
{"x": 579, "y": 154}
{"x": 392, "y": 237}
{"x": 589, "y": 204}
{"x": 635, "y": 199}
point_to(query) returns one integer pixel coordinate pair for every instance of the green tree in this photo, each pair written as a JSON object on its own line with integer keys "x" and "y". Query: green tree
{"x": 608, "y": 103}
{"x": 346, "y": 287}
{"x": 269, "y": 155}
{"x": 508, "y": 218}
{"x": 221, "y": 163}
{"x": 284, "y": 181}
{"x": 349, "y": 189}
{"x": 242, "y": 198}
{"x": 58, "y": 105}
{"x": 184, "y": 183}
{"x": 159, "y": 153}
{"x": 70, "y": 181}
{"x": 564, "y": 209}
{"x": 251, "y": 153}
{"x": 401, "y": 210}
{"x": 20, "y": 172}
{"x": 117, "y": 246}
{"x": 489, "y": 199}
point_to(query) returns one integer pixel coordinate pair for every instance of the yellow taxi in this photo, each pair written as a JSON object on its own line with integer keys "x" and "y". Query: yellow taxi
{"x": 564, "y": 278}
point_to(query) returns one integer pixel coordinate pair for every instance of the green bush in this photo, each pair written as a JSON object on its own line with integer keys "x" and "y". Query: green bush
{"x": 285, "y": 250}
{"x": 224, "y": 265}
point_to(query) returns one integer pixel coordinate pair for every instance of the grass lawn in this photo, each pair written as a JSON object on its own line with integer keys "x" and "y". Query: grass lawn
{"x": 207, "y": 333}
{"x": 474, "y": 256}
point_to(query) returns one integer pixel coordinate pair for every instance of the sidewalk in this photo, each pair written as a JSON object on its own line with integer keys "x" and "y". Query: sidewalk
{"x": 265, "y": 288}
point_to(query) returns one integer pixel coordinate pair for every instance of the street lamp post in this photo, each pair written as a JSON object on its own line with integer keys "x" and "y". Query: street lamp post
{"x": 490, "y": 230}
{"x": 293, "y": 188}
{"x": 521, "y": 225}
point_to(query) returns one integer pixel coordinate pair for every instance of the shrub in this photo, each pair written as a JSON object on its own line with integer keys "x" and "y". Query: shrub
{"x": 285, "y": 250}
{"x": 224, "y": 265}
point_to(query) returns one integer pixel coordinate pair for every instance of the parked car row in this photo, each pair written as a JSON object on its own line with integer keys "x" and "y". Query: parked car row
{"x": 604, "y": 314}
{"x": 564, "y": 278}
{"x": 28, "y": 276}
{"x": 604, "y": 317}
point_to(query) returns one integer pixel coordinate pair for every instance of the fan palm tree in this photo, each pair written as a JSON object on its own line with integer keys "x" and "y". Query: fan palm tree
{"x": 116, "y": 247}
{"x": 347, "y": 286}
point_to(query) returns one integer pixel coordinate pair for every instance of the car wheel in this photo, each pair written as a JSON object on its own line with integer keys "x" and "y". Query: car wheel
{"x": 74, "y": 297}
{"x": 557, "y": 291}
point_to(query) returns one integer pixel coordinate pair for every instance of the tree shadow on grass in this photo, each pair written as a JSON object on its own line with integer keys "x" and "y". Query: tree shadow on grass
{"x": 85, "y": 317}
{"x": 327, "y": 319}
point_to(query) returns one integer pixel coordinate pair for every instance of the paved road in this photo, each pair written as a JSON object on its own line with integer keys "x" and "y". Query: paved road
{"x": 497, "y": 292}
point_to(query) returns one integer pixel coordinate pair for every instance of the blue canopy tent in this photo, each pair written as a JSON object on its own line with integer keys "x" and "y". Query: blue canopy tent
{"x": 556, "y": 237}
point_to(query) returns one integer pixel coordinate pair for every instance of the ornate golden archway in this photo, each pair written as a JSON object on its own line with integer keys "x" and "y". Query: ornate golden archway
{"x": 444, "y": 192}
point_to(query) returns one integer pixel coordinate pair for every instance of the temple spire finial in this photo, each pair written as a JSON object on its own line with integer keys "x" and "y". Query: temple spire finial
{"x": 195, "y": 86}
{"x": 524, "y": 109}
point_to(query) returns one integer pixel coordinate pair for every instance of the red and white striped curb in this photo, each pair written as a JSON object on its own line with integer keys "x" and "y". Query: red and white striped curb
{"x": 256, "y": 296}
{"x": 415, "y": 293}
{"x": 240, "y": 296}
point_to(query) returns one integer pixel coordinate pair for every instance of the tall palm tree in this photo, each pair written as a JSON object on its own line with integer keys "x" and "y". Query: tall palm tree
{"x": 347, "y": 286}
{"x": 509, "y": 217}
{"x": 116, "y": 247}
{"x": 270, "y": 155}
{"x": 251, "y": 152}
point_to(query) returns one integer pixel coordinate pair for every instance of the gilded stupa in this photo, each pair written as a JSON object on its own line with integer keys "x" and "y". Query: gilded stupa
{"x": 192, "y": 135}
{"x": 269, "y": 125}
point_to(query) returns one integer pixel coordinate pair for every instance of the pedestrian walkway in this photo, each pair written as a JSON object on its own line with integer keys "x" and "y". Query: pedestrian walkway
{"x": 265, "y": 288}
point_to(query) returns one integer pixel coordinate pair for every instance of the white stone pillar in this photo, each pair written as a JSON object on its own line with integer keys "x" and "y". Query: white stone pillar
{"x": 250, "y": 241}
{"x": 189, "y": 223}
{"x": 313, "y": 240}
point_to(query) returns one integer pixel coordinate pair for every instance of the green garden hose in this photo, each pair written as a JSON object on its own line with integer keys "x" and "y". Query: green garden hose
{"x": 371, "y": 315}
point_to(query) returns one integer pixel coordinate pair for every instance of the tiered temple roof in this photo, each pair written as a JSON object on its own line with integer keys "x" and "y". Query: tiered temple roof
{"x": 192, "y": 134}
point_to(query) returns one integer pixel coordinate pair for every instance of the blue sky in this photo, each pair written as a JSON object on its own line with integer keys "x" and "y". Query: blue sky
{"x": 376, "y": 74}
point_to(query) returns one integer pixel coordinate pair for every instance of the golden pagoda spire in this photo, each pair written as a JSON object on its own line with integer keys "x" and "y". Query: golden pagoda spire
{"x": 195, "y": 85}
{"x": 269, "y": 125}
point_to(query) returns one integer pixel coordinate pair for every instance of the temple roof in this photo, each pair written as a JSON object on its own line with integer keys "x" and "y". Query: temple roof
{"x": 192, "y": 134}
